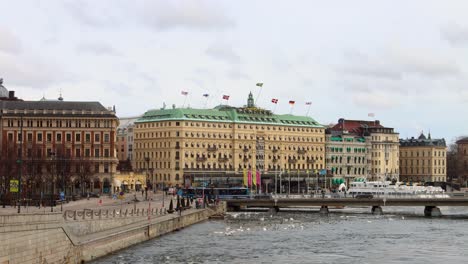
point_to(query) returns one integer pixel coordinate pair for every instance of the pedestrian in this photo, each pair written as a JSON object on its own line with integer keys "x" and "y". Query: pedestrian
{"x": 87, "y": 196}
{"x": 142, "y": 192}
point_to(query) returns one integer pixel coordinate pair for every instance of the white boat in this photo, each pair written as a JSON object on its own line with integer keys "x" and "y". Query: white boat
{"x": 386, "y": 188}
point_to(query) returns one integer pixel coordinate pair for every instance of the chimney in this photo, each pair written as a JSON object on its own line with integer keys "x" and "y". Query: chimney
{"x": 377, "y": 122}
{"x": 11, "y": 94}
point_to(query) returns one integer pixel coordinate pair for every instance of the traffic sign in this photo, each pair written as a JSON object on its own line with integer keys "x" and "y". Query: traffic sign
{"x": 14, "y": 185}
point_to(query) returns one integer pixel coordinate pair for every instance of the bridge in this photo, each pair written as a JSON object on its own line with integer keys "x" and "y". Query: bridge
{"x": 430, "y": 204}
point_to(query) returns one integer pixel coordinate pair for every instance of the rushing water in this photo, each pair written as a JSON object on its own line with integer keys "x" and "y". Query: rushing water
{"x": 401, "y": 235}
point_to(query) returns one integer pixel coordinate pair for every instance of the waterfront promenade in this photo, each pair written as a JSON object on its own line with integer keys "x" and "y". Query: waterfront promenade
{"x": 86, "y": 230}
{"x": 104, "y": 202}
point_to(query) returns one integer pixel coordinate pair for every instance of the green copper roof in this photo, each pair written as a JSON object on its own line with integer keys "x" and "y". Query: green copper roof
{"x": 249, "y": 115}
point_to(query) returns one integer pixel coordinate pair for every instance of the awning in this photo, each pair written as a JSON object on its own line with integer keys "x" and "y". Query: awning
{"x": 138, "y": 182}
{"x": 125, "y": 183}
{"x": 117, "y": 183}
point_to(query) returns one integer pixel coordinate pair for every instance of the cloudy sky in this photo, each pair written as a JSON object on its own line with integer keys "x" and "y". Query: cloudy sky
{"x": 405, "y": 61}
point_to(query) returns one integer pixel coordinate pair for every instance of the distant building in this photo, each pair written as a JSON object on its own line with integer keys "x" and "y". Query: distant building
{"x": 423, "y": 159}
{"x": 187, "y": 146}
{"x": 125, "y": 142}
{"x": 382, "y": 157}
{"x": 62, "y": 142}
{"x": 462, "y": 160}
{"x": 348, "y": 155}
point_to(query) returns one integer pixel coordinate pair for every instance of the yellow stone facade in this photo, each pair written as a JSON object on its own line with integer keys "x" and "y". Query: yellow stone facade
{"x": 423, "y": 160}
{"x": 175, "y": 146}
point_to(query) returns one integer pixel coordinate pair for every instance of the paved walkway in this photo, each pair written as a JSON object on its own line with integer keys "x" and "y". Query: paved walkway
{"x": 104, "y": 202}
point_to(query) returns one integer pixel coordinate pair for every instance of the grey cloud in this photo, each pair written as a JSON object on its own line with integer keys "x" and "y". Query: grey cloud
{"x": 92, "y": 13}
{"x": 97, "y": 49}
{"x": 237, "y": 74}
{"x": 223, "y": 52}
{"x": 30, "y": 72}
{"x": 165, "y": 15}
{"x": 9, "y": 43}
{"x": 456, "y": 35}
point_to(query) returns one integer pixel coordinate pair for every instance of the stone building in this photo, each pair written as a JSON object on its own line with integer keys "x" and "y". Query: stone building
{"x": 63, "y": 143}
{"x": 125, "y": 142}
{"x": 348, "y": 155}
{"x": 462, "y": 160}
{"x": 423, "y": 159}
{"x": 185, "y": 146}
{"x": 384, "y": 147}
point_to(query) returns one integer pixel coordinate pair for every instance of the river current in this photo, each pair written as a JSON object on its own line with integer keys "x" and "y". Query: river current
{"x": 351, "y": 235}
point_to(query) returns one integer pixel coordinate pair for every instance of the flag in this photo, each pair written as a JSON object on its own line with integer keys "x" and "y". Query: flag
{"x": 254, "y": 178}
{"x": 206, "y": 95}
{"x": 226, "y": 97}
{"x": 259, "y": 84}
{"x": 246, "y": 181}
{"x": 308, "y": 103}
{"x": 371, "y": 115}
{"x": 275, "y": 101}
{"x": 249, "y": 178}
{"x": 292, "y": 102}
{"x": 259, "y": 181}
{"x": 184, "y": 93}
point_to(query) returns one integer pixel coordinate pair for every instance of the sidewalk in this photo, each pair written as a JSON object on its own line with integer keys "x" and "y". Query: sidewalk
{"x": 104, "y": 202}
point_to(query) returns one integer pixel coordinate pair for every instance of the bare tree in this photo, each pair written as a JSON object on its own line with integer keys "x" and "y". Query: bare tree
{"x": 83, "y": 170}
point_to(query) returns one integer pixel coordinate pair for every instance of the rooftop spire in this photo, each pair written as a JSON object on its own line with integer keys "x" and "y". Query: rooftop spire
{"x": 250, "y": 101}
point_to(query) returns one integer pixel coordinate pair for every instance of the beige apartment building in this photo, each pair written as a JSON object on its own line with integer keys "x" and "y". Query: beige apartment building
{"x": 423, "y": 159}
{"x": 187, "y": 146}
{"x": 383, "y": 156}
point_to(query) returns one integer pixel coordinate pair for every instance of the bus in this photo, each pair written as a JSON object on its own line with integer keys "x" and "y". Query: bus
{"x": 213, "y": 193}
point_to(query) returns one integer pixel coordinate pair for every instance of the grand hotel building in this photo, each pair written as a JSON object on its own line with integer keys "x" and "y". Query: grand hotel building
{"x": 182, "y": 145}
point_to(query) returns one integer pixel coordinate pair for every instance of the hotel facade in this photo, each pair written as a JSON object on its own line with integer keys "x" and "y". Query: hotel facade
{"x": 183, "y": 146}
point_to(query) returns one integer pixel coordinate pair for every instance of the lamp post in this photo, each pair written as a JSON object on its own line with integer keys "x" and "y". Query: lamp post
{"x": 20, "y": 163}
{"x": 52, "y": 155}
{"x": 147, "y": 168}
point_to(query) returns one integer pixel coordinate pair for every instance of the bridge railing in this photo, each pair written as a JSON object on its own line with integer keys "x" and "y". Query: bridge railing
{"x": 88, "y": 214}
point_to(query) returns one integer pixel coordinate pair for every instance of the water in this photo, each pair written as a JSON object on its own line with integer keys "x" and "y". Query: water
{"x": 401, "y": 235}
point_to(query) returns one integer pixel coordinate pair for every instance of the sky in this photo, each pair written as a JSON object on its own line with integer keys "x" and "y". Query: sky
{"x": 404, "y": 61}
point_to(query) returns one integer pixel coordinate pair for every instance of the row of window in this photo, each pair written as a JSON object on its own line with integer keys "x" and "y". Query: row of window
{"x": 439, "y": 162}
{"x": 86, "y": 123}
{"x": 29, "y": 137}
{"x": 354, "y": 160}
{"x": 436, "y": 153}
{"x": 405, "y": 170}
{"x": 348, "y": 171}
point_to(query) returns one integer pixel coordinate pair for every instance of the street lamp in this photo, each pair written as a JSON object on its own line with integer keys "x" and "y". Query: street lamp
{"x": 147, "y": 159}
{"x": 52, "y": 156}
{"x": 20, "y": 163}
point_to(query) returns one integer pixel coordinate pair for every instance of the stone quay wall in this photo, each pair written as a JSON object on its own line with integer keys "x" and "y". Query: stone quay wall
{"x": 78, "y": 237}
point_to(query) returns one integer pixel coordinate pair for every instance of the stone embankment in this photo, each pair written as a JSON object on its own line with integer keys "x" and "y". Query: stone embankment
{"x": 81, "y": 236}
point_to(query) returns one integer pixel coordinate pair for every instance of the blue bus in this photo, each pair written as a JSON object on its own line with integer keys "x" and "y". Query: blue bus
{"x": 213, "y": 193}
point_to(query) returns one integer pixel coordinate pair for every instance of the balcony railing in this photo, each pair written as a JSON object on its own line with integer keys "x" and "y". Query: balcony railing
{"x": 292, "y": 160}
{"x": 310, "y": 161}
{"x": 246, "y": 149}
{"x": 201, "y": 159}
{"x": 275, "y": 160}
{"x": 246, "y": 159}
{"x": 223, "y": 159}
{"x": 212, "y": 148}
{"x": 301, "y": 151}
{"x": 274, "y": 150}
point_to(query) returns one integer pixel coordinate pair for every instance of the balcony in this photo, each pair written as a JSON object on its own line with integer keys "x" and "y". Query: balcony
{"x": 275, "y": 160}
{"x": 177, "y": 168}
{"x": 292, "y": 160}
{"x": 301, "y": 151}
{"x": 201, "y": 159}
{"x": 310, "y": 161}
{"x": 211, "y": 149}
{"x": 223, "y": 159}
{"x": 177, "y": 147}
{"x": 245, "y": 159}
{"x": 274, "y": 150}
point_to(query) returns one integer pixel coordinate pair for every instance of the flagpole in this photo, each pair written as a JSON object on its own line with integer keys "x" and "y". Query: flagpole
{"x": 291, "y": 110}
{"x": 274, "y": 109}
{"x": 185, "y": 100}
{"x": 308, "y": 109}
{"x": 259, "y": 92}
